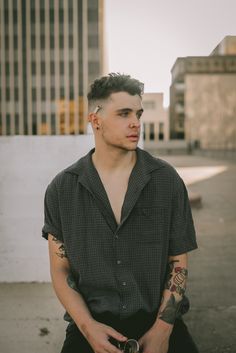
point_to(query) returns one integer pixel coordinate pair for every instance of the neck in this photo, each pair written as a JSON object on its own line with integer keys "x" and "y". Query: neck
{"x": 113, "y": 159}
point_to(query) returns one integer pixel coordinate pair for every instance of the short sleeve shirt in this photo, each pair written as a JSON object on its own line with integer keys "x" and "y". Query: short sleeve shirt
{"x": 120, "y": 268}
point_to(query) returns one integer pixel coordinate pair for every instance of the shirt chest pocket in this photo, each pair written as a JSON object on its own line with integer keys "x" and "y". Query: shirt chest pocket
{"x": 149, "y": 224}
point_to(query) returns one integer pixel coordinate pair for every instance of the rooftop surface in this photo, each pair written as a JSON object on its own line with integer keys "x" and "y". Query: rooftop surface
{"x": 31, "y": 316}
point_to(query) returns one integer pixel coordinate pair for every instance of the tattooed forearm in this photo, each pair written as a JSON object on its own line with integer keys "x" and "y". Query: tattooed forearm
{"x": 175, "y": 285}
{"x": 71, "y": 282}
{"x": 170, "y": 311}
{"x": 176, "y": 278}
{"x": 61, "y": 249}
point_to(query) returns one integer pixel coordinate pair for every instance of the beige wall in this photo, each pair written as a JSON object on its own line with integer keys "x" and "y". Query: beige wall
{"x": 156, "y": 114}
{"x": 210, "y": 110}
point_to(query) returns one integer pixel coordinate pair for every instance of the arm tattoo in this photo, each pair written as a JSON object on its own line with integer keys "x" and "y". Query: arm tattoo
{"x": 176, "y": 283}
{"x": 71, "y": 282}
{"x": 61, "y": 249}
{"x": 176, "y": 278}
{"x": 169, "y": 313}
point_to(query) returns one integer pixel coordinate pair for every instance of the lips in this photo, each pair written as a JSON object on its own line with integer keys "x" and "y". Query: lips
{"x": 133, "y": 137}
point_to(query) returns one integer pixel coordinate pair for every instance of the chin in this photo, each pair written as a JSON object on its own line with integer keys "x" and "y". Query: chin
{"x": 130, "y": 148}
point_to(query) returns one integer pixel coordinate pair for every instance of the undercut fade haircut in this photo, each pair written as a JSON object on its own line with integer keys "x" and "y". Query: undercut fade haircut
{"x": 104, "y": 86}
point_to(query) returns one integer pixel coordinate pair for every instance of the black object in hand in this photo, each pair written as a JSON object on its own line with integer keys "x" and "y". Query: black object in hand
{"x": 129, "y": 346}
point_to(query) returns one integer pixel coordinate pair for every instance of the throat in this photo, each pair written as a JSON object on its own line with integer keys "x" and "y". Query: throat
{"x": 116, "y": 191}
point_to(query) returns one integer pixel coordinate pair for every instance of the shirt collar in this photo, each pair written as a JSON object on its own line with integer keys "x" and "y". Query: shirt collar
{"x": 145, "y": 164}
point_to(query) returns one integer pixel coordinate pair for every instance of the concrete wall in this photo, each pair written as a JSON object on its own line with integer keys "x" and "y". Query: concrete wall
{"x": 27, "y": 166}
{"x": 28, "y": 163}
{"x": 210, "y": 110}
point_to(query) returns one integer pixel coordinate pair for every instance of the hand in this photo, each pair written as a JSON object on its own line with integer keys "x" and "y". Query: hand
{"x": 156, "y": 340}
{"x": 98, "y": 334}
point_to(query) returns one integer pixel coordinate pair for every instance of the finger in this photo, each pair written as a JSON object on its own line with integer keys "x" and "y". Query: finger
{"x": 110, "y": 348}
{"x": 140, "y": 341}
{"x": 118, "y": 336}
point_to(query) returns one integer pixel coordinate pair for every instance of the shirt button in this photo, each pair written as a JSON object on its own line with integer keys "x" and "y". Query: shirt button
{"x": 116, "y": 236}
{"x": 124, "y": 307}
{"x": 118, "y": 262}
{"x": 123, "y": 283}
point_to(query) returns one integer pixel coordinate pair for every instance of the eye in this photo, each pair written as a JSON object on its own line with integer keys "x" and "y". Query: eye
{"x": 139, "y": 114}
{"x": 124, "y": 114}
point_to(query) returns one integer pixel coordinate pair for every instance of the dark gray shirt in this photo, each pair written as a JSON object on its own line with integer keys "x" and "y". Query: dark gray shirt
{"x": 120, "y": 269}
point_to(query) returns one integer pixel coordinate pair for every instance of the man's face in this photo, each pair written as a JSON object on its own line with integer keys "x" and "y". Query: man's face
{"x": 120, "y": 120}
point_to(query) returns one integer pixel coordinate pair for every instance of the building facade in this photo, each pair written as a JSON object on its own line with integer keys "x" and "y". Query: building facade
{"x": 154, "y": 118}
{"x": 50, "y": 50}
{"x": 203, "y": 98}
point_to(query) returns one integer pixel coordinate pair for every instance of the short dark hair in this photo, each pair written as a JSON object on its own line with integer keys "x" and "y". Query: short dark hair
{"x": 104, "y": 86}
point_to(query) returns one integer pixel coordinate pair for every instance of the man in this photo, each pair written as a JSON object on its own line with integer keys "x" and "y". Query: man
{"x": 119, "y": 225}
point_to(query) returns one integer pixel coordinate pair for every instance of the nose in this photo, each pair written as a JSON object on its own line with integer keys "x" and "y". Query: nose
{"x": 134, "y": 121}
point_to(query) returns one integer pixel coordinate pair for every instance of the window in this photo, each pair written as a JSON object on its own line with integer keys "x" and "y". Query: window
{"x": 6, "y": 42}
{"x": 94, "y": 67}
{"x": 15, "y": 42}
{"x": 15, "y": 18}
{"x": 16, "y": 68}
{"x": 7, "y": 68}
{"x": 42, "y": 16}
{"x": 52, "y": 42}
{"x": 161, "y": 131}
{"x": 61, "y": 15}
{"x": 62, "y": 92}
{"x": 53, "y": 124}
{"x": 61, "y": 41}
{"x": 53, "y": 93}
{"x": 34, "y": 94}
{"x": 8, "y": 118}
{"x": 93, "y": 15}
{"x": 33, "y": 68}
{"x": 43, "y": 68}
{"x": 71, "y": 42}
{"x": 34, "y": 124}
{"x": 152, "y": 132}
{"x": 16, "y": 93}
{"x": 42, "y": 41}
{"x": 43, "y": 94}
{"x": 70, "y": 14}
{"x": 71, "y": 93}
{"x": 6, "y": 15}
{"x": 149, "y": 104}
{"x": 32, "y": 15}
{"x": 61, "y": 68}
{"x": 17, "y": 119}
{"x": 52, "y": 67}
{"x": 8, "y": 95}
{"x": 32, "y": 41}
{"x": 93, "y": 41}
{"x": 71, "y": 69}
{"x": 51, "y": 15}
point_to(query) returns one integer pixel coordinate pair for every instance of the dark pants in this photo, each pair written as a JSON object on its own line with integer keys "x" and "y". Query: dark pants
{"x": 133, "y": 327}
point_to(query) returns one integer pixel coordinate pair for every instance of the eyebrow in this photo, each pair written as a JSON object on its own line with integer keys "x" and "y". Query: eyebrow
{"x": 128, "y": 110}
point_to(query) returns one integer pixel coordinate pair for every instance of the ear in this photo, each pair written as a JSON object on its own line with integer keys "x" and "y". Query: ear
{"x": 94, "y": 119}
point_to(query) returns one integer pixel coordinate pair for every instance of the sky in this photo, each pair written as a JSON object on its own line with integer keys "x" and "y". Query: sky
{"x": 144, "y": 37}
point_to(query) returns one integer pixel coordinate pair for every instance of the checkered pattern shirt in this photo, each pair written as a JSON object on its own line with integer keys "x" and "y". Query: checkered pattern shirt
{"x": 120, "y": 268}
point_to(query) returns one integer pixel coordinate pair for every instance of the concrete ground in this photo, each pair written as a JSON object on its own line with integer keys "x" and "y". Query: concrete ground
{"x": 31, "y": 316}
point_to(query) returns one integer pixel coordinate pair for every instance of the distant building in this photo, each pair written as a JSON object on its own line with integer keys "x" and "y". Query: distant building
{"x": 203, "y": 98}
{"x": 155, "y": 119}
{"x": 226, "y": 47}
{"x": 50, "y": 50}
